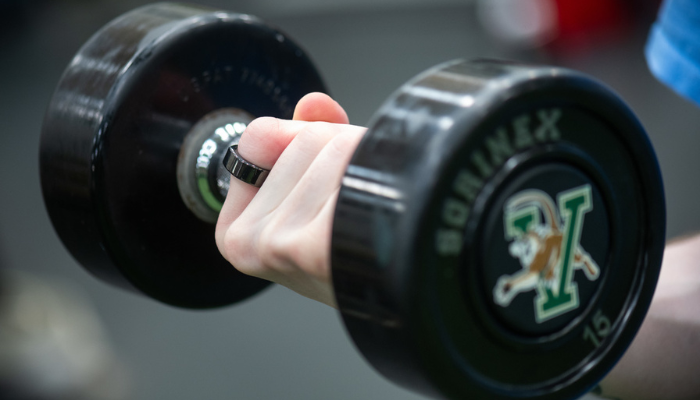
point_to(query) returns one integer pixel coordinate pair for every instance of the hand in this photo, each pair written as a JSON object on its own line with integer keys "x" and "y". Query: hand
{"x": 281, "y": 232}
{"x": 662, "y": 361}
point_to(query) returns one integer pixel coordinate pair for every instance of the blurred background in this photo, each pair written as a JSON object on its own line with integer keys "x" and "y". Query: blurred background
{"x": 65, "y": 335}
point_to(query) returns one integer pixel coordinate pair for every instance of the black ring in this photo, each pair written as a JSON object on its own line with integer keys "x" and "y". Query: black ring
{"x": 242, "y": 169}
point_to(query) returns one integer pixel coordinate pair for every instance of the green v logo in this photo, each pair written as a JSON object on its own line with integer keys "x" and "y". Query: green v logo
{"x": 545, "y": 239}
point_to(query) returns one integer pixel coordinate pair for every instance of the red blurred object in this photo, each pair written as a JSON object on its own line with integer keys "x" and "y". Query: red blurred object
{"x": 564, "y": 26}
{"x": 583, "y": 24}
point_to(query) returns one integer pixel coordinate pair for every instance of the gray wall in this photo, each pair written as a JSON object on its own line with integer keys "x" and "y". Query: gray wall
{"x": 280, "y": 345}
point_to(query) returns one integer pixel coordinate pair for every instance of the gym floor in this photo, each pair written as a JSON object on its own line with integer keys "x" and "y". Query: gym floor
{"x": 279, "y": 345}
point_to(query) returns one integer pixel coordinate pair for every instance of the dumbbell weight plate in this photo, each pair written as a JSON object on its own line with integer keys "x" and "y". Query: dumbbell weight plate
{"x": 466, "y": 175}
{"x": 111, "y": 143}
{"x": 498, "y": 233}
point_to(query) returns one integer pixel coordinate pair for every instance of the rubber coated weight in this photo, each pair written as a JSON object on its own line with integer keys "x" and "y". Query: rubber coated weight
{"x": 111, "y": 144}
{"x": 498, "y": 233}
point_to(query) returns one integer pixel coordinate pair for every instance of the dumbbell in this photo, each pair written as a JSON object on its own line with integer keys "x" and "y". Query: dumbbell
{"x": 498, "y": 233}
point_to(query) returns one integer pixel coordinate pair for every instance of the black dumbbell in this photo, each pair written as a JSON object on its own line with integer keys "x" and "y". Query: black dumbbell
{"x": 498, "y": 233}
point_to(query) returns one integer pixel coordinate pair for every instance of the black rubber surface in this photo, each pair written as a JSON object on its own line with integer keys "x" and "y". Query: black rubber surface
{"x": 420, "y": 233}
{"x": 113, "y": 131}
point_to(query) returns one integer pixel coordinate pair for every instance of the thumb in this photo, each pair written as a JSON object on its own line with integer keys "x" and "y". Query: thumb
{"x": 320, "y": 107}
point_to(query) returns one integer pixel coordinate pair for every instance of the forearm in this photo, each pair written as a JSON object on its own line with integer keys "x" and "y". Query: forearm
{"x": 663, "y": 362}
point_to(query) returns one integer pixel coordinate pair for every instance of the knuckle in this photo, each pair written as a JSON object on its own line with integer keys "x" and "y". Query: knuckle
{"x": 274, "y": 248}
{"x": 261, "y": 125}
{"x": 220, "y": 239}
{"x": 296, "y": 250}
{"x": 258, "y": 130}
{"x": 312, "y": 262}
{"x": 237, "y": 250}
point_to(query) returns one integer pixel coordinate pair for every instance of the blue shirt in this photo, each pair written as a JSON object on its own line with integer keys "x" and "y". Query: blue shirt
{"x": 673, "y": 48}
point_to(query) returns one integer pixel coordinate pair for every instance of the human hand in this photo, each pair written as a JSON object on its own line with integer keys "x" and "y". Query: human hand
{"x": 281, "y": 232}
{"x": 662, "y": 361}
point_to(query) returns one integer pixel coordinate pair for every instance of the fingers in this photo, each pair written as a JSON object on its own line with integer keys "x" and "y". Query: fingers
{"x": 307, "y": 143}
{"x": 322, "y": 177}
{"x": 320, "y": 107}
{"x": 261, "y": 144}
{"x": 266, "y": 138}
{"x": 264, "y": 141}
{"x": 293, "y": 164}
{"x": 281, "y": 232}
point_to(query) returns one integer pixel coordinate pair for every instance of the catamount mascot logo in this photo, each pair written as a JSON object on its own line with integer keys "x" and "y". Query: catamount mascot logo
{"x": 545, "y": 239}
